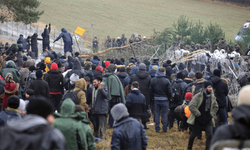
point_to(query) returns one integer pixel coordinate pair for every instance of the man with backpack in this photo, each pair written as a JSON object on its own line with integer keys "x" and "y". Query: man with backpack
{"x": 162, "y": 93}
{"x": 178, "y": 87}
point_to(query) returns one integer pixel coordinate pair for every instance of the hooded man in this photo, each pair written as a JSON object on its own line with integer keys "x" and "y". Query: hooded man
{"x": 22, "y": 41}
{"x": 33, "y": 131}
{"x": 75, "y": 69}
{"x": 67, "y": 40}
{"x": 128, "y": 133}
{"x": 11, "y": 68}
{"x": 45, "y": 36}
{"x": 81, "y": 96}
{"x": 122, "y": 74}
{"x": 115, "y": 88}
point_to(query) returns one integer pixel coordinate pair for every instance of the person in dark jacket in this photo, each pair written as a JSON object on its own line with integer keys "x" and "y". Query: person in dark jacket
{"x": 100, "y": 107}
{"x": 40, "y": 87}
{"x": 162, "y": 93}
{"x": 147, "y": 63}
{"x": 67, "y": 40}
{"x": 96, "y": 61}
{"x": 11, "y": 68}
{"x": 174, "y": 104}
{"x": 22, "y": 41}
{"x": 11, "y": 112}
{"x": 153, "y": 71}
{"x": 126, "y": 81}
{"x": 89, "y": 91}
{"x": 34, "y": 47}
{"x": 122, "y": 74}
{"x": 33, "y": 131}
{"x": 169, "y": 70}
{"x": 55, "y": 80}
{"x": 239, "y": 130}
{"x": 144, "y": 79}
{"x": 75, "y": 69}
{"x": 220, "y": 92}
{"x": 128, "y": 133}
{"x": 28, "y": 43}
{"x": 98, "y": 71}
{"x": 136, "y": 102}
{"x": 45, "y": 36}
{"x": 155, "y": 62}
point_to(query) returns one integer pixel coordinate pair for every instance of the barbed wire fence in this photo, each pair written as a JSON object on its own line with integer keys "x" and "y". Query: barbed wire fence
{"x": 10, "y": 31}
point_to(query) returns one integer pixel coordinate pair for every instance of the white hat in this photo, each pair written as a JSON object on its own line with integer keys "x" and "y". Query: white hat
{"x": 74, "y": 77}
{"x": 118, "y": 38}
{"x": 243, "y": 97}
{"x": 23, "y": 104}
{"x": 144, "y": 37}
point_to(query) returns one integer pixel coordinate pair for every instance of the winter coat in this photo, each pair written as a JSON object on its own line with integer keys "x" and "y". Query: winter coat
{"x": 7, "y": 115}
{"x": 40, "y": 87}
{"x": 126, "y": 81}
{"x": 174, "y": 104}
{"x": 31, "y": 54}
{"x": 96, "y": 62}
{"x": 11, "y": 68}
{"x": 160, "y": 87}
{"x": 67, "y": 40}
{"x": 27, "y": 44}
{"x": 97, "y": 74}
{"x": 45, "y": 36}
{"x": 81, "y": 96}
{"x": 220, "y": 91}
{"x": 25, "y": 71}
{"x": 136, "y": 103}
{"x": 76, "y": 133}
{"x": 198, "y": 86}
{"x": 129, "y": 134}
{"x": 75, "y": 69}
{"x": 32, "y": 132}
{"x": 195, "y": 104}
{"x": 100, "y": 105}
{"x": 34, "y": 47}
{"x": 55, "y": 80}
{"x": 169, "y": 71}
{"x": 144, "y": 79}
{"x": 22, "y": 41}
{"x": 11, "y": 88}
{"x": 151, "y": 66}
{"x": 122, "y": 76}
{"x": 238, "y": 130}
{"x": 152, "y": 74}
{"x": 89, "y": 94}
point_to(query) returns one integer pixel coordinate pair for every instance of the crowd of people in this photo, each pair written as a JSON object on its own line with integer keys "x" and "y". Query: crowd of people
{"x": 50, "y": 103}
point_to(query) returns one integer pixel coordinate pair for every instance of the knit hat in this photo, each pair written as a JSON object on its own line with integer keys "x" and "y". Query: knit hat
{"x": 191, "y": 75}
{"x": 13, "y": 101}
{"x": 32, "y": 68}
{"x": 54, "y": 66}
{"x": 188, "y": 96}
{"x": 142, "y": 66}
{"x": 99, "y": 68}
{"x": 207, "y": 84}
{"x": 180, "y": 75}
{"x": 30, "y": 92}
{"x": 217, "y": 72}
{"x": 22, "y": 104}
{"x": 154, "y": 68}
{"x": 243, "y": 97}
{"x": 8, "y": 77}
{"x": 76, "y": 54}
{"x": 111, "y": 68}
{"x": 39, "y": 73}
{"x": 107, "y": 63}
{"x": 119, "y": 111}
{"x": 169, "y": 61}
{"x": 40, "y": 106}
{"x": 74, "y": 77}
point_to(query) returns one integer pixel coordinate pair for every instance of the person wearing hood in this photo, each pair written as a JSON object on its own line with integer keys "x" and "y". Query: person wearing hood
{"x": 67, "y": 40}
{"x": 75, "y": 69}
{"x": 162, "y": 93}
{"x": 198, "y": 84}
{"x": 220, "y": 91}
{"x": 115, "y": 88}
{"x": 98, "y": 71}
{"x": 70, "y": 123}
{"x": 34, "y": 47}
{"x": 169, "y": 69}
{"x": 11, "y": 68}
{"x": 96, "y": 61}
{"x": 155, "y": 62}
{"x": 45, "y": 36}
{"x": 28, "y": 43}
{"x": 126, "y": 81}
{"x": 203, "y": 109}
{"x": 55, "y": 80}
{"x": 147, "y": 63}
{"x": 190, "y": 78}
{"x": 30, "y": 77}
{"x": 34, "y": 130}
{"x": 238, "y": 130}
{"x": 25, "y": 71}
{"x": 128, "y": 133}
{"x": 144, "y": 79}
{"x": 11, "y": 112}
{"x": 22, "y": 41}
{"x": 122, "y": 74}
{"x": 136, "y": 102}
{"x": 100, "y": 107}
{"x": 40, "y": 87}
{"x": 81, "y": 85}
{"x": 153, "y": 71}
{"x": 11, "y": 88}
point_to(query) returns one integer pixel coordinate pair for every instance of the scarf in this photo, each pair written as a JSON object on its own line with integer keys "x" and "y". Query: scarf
{"x": 208, "y": 101}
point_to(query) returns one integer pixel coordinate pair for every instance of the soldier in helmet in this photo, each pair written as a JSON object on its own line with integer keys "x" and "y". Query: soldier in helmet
{"x": 95, "y": 44}
{"x": 114, "y": 44}
{"x": 238, "y": 50}
{"x": 119, "y": 42}
{"x": 187, "y": 47}
{"x": 124, "y": 40}
{"x": 222, "y": 44}
{"x": 108, "y": 42}
{"x": 214, "y": 47}
{"x": 181, "y": 45}
{"x": 197, "y": 47}
{"x": 192, "y": 47}
{"x": 132, "y": 39}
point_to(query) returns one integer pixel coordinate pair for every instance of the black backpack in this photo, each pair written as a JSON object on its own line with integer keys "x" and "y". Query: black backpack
{"x": 72, "y": 95}
{"x": 176, "y": 89}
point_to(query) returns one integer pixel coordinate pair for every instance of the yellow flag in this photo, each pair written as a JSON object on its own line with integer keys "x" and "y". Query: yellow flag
{"x": 79, "y": 31}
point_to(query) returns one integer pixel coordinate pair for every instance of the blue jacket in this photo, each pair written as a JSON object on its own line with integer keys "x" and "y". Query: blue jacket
{"x": 151, "y": 66}
{"x": 129, "y": 134}
{"x": 22, "y": 41}
{"x": 136, "y": 103}
{"x": 127, "y": 79}
{"x": 96, "y": 62}
{"x": 7, "y": 115}
{"x": 67, "y": 39}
